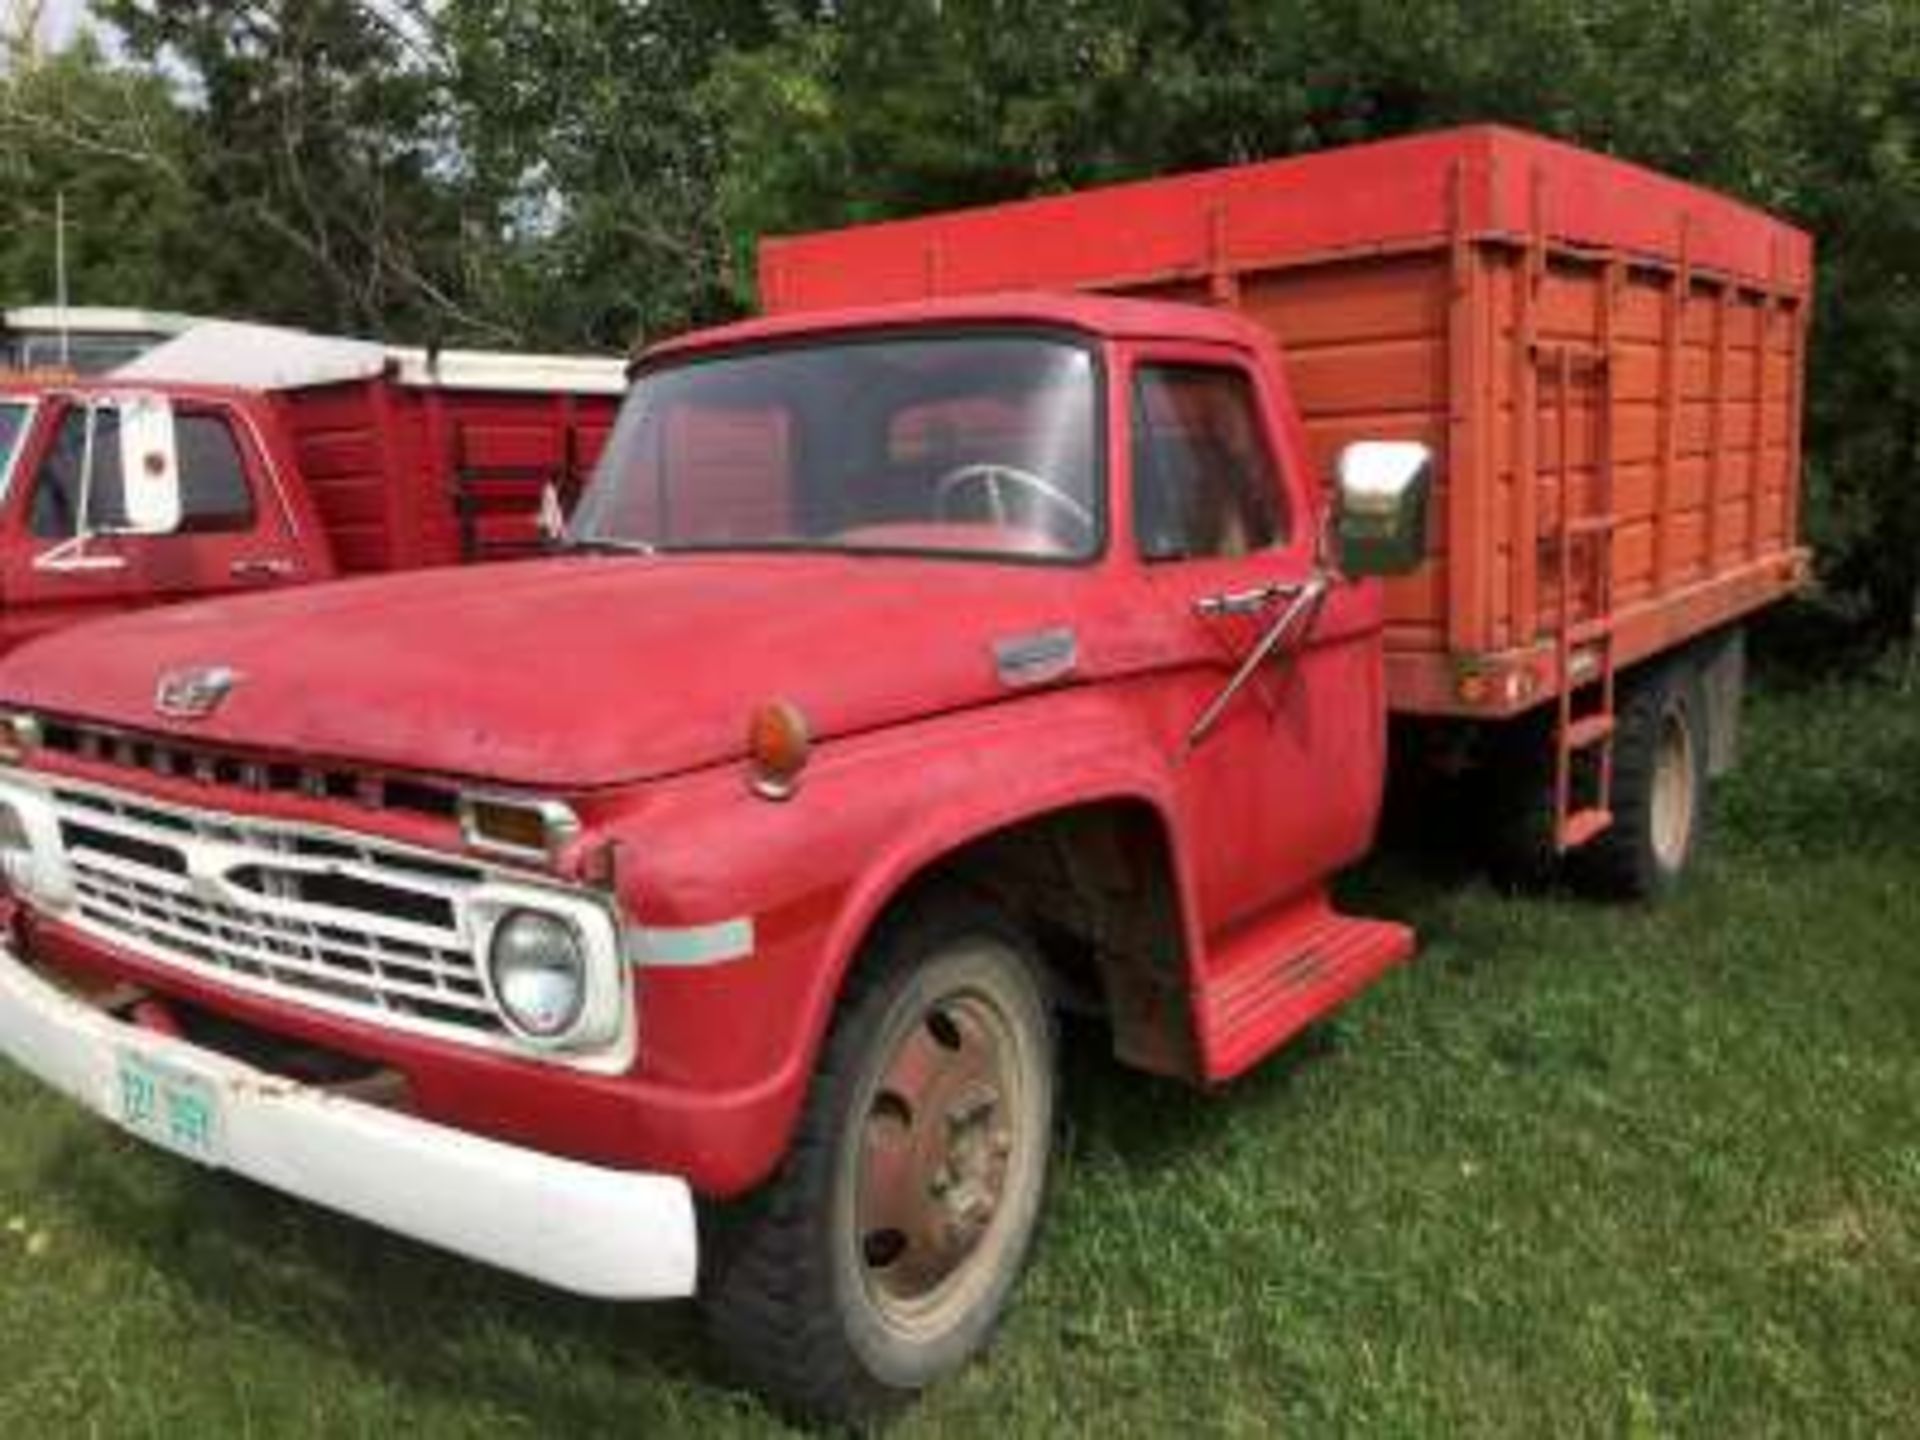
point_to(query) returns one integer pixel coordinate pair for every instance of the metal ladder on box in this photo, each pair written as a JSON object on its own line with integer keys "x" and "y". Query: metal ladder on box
{"x": 1583, "y": 646}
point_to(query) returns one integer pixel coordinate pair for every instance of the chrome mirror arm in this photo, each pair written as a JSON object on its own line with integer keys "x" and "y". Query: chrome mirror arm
{"x": 1299, "y": 615}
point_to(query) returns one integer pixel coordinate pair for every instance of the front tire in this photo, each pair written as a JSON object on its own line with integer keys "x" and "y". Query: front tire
{"x": 882, "y": 1255}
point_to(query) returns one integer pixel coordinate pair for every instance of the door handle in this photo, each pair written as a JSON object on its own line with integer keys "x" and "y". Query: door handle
{"x": 261, "y": 568}
{"x": 1245, "y": 602}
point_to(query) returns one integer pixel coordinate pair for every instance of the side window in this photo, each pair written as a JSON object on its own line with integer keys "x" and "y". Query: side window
{"x": 1204, "y": 481}
{"x": 214, "y": 494}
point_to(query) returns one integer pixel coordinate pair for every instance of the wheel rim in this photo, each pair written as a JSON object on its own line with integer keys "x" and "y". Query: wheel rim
{"x": 943, "y": 1136}
{"x": 1673, "y": 792}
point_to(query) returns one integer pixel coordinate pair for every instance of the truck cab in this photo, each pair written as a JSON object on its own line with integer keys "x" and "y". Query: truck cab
{"x": 691, "y": 909}
{"x": 71, "y": 551}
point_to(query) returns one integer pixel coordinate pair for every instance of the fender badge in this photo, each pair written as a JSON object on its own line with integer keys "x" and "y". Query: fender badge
{"x": 195, "y": 692}
{"x": 1036, "y": 659}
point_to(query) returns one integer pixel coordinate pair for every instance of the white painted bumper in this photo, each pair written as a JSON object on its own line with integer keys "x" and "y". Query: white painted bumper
{"x": 613, "y": 1234}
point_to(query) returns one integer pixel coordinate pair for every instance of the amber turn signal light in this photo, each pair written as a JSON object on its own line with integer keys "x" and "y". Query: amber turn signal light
{"x": 779, "y": 744}
{"x": 511, "y": 825}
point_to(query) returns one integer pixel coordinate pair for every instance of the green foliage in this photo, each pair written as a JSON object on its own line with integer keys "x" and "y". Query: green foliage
{"x": 581, "y": 140}
{"x": 112, "y": 142}
{"x": 590, "y": 172}
{"x": 317, "y": 155}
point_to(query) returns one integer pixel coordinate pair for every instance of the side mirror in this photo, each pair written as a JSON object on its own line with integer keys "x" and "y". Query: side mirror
{"x": 149, "y": 468}
{"x": 1381, "y": 522}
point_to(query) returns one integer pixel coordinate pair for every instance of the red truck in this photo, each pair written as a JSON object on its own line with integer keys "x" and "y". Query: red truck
{"x": 284, "y": 458}
{"x": 689, "y": 911}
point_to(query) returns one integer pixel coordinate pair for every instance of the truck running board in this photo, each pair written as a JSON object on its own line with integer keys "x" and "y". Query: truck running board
{"x": 1280, "y": 976}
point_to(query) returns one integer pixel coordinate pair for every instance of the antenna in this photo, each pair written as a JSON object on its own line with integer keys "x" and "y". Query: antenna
{"x": 60, "y": 274}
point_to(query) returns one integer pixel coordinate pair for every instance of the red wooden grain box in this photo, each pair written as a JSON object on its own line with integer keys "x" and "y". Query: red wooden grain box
{"x": 1609, "y": 362}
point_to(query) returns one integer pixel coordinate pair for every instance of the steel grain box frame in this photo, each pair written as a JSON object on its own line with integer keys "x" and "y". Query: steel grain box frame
{"x": 1602, "y": 356}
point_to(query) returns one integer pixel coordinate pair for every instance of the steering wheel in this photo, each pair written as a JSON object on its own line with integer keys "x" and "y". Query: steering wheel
{"x": 996, "y": 479}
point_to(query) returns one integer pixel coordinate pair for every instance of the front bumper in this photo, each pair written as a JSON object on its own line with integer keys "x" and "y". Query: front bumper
{"x": 612, "y": 1234}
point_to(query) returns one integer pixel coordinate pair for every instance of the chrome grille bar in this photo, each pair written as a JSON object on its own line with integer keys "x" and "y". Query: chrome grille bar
{"x": 348, "y": 923}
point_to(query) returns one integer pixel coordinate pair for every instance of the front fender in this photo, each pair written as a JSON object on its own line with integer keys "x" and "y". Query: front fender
{"x": 809, "y": 876}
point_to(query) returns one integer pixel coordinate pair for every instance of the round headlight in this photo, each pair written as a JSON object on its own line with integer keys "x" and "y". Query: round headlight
{"x": 539, "y": 970}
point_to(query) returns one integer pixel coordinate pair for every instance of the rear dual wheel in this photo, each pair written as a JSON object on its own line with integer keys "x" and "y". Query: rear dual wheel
{"x": 1658, "y": 794}
{"x": 883, "y": 1254}
{"x": 1659, "y": 790}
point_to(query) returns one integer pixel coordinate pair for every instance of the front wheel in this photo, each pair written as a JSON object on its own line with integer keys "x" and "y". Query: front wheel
{"x": 882, "y": 1255}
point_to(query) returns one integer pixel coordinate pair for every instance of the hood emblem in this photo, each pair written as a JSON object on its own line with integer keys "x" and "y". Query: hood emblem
{"x": 195, "y": 692}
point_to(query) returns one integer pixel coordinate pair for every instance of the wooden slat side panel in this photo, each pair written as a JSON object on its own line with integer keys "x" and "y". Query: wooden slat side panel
{"x": 422, "y": 476}
{"x": 1704, "y": 435}
{"x": 1365, "y": 343}
{"x": 337, "y": 444}
{"x": 376, "y": 458}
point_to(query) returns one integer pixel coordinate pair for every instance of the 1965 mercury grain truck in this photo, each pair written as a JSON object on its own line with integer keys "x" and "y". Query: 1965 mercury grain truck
{"x": 909, "y": 672}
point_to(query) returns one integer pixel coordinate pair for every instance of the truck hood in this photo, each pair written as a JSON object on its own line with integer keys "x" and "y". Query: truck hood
{"x": 575, "y": 672}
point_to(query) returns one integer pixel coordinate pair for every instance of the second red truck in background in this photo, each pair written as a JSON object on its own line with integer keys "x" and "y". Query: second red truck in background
{"x": 298, "y": 458}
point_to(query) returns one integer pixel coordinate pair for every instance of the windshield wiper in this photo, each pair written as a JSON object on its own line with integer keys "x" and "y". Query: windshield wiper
{"x": 606, "y": 545}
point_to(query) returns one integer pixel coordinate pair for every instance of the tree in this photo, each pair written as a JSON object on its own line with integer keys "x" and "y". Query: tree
{"x": 112, "y": 142}
{"x": 578, "y": 123}
{"x": 319, "y": 157}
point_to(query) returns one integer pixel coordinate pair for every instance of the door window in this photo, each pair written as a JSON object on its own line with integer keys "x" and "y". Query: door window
{"x": 58, "y": 482}
{"x": 1204, "y": 481}
{"x": 14, "y": 415}
{"x": 214, "y": 493}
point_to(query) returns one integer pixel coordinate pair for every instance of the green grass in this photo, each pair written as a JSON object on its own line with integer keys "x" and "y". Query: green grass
{"x": 1576, "y": 1169}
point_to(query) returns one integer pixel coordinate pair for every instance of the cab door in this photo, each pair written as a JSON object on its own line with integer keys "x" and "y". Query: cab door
{"x": 38, "y": 592}
{"x": 1279, "y": 779}
{"x": 235, "y": 532}
{"x": 238, "y": 532}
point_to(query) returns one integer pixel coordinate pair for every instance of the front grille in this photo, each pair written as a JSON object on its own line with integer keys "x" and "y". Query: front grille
{"x": 345, "y": 923}
{"x": 226, "y": 769}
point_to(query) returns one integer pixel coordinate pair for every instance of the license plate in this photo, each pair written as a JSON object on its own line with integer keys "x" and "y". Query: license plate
{"x": 167, "y": 1105}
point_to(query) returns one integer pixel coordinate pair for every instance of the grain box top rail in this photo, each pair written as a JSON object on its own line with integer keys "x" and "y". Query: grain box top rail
{"x": 1484, "y": 182}
{"x": 271, "y": 357}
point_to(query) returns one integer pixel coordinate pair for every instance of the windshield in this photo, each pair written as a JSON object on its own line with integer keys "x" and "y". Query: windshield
{"x": 13, "y": 429}
{"x": 976, "y": 444}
